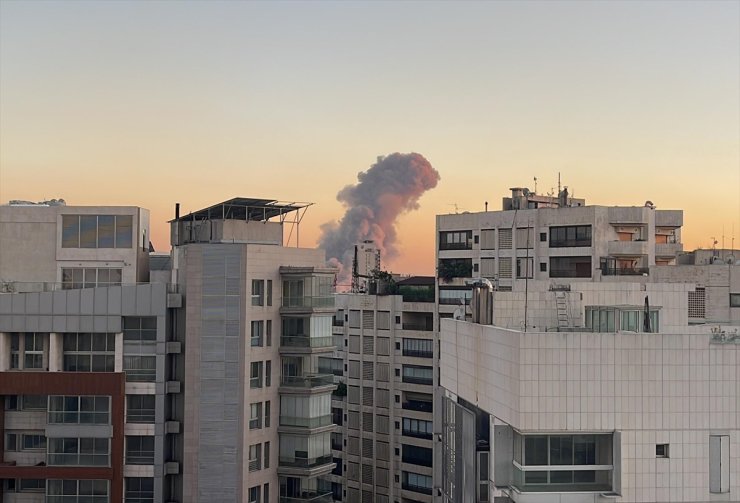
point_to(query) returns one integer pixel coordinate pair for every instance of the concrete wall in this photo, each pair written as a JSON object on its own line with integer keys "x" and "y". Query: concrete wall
{"x": 673, "y": 388}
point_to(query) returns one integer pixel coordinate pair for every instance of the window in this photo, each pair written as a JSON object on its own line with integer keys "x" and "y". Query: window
{"x": 504, "y": 239}
{"x": 258, "y": 292}
{"x": 570, "y": 236}
{"x": 456, "y": 240}
{"x": 455, "y": 296}
{"x": 33, "y": 357}
{"x": 543, "y": 237}
{"x": 422, "y": 348}
{"x": 543, "y": 266}
{"x": 15, "y": 351}
{"x": 32, "y": 442}
{"x": 661, "y": 450}
{"x": 570, "y": 267}
{"x": 33, "y": 402}
{"x": 504, "y": 267}
{"x": 140, "y": 329}
{"x": 255, "y": 416}
{"x": 555, "y": 462}
{"x": 414, "y": 454}
{"x": 254, "y": 494}
{"x": 719, "y": 463}
{"x": 268, "y": 299}
{"x": 97, "y": 231}
{"x": 78, "y": 452}
{"x": 735, "y": 300}
{"x": 268, "y": 333}
{"x": 140, "y": 368}
{"x": 487, "y": 239}
{"x": 268, "y": 373}
{"x": 450, "y": 268}
{"x": 267, "y": 414}
{"x": 417, "y": 428}
{"x": 524, "y": 267}
{"x": 11, "y": 442}
{"x": 86, "y": 352}
{"x": 524, "y": 237}
{"x": 417, "y": 483}
{"x": 255, "y": 375}
{"x": 89, "y": 491}
{"x": 139, "y": 450}
{"x": 32, "y": 485}
{"x": 697, "y": 303}
{"x": 79, "y": 410}
{"x": 140, "y": 408}
{"x": 488, "y": 267}
{"x": 257, "y": 333}
{"x": 418, "y": 374}
{"x": 139, "y": 490}
{"x": 90, "y": 277}
{"x": 600, "y": 319}
{"x": 267, "y": 458}
{"x": 255, "y": 457}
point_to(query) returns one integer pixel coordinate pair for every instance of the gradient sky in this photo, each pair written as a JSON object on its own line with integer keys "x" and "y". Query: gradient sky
{"x": 152, "y": 103}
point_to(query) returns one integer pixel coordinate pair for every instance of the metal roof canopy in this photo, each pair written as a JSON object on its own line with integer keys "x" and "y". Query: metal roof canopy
{"x": 252, "y": 210}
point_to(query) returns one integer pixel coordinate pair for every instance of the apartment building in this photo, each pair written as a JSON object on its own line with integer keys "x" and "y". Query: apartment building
{"x": 83, "y": 358}
{"x": 541, "y": 238}
{"x": 257, "y": 317}
{"x": 387, "y": 359}
{"x": 588, "y": 417}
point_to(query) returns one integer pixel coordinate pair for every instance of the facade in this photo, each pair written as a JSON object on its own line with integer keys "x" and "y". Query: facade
{"x": 387, "y": 358}
{"x": 588, "y": 417}
{"x": 552, "y": 241}
{"x": 256, "y": 318}
{"x": 83, "y": 358}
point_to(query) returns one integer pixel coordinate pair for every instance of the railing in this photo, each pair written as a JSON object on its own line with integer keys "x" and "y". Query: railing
{"x": 416, "y": 434}
{"x": 140, "y": 458}
{"x": 50, "y": 286}
{"x": 418, "y": 353}
{"x": 307, "y": 381}
{"x": 140, "y": 375}
{"x": 570, "y": 273}
{"x": 418, "y": 380}
{"x": 309, "y": 302}
{"x": 417, "y": 326}
{"x": 308, "y": 497}
{"x": 305, "y": 341}
{"x": 568, "y": 243}
{"x": 415, "y": 488}
{"x": 418, "y": 406}
{"x": 624, "y": 271}
{"x": 305, "y": 462}
{"x": 306, "y": 422}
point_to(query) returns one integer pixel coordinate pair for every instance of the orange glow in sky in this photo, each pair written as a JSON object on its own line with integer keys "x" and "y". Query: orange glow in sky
{"x": 152, "y": 103}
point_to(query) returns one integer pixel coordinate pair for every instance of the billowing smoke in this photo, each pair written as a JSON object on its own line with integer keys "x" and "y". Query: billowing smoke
{"x": 390, "y": 187}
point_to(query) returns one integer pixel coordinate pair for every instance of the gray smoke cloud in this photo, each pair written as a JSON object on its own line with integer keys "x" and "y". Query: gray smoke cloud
{"x": 390, "y": 187}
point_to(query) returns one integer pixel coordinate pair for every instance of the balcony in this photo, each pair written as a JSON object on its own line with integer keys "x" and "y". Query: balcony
{"x": 307, "y": 381}
{"x": 305, "y": 343}
{"x": 627, "y": 248}
{"x": 305, "y": 302}
{"x": 629, "y": 215}
{"x": 295, "y": 462}
{"x": 668, "y": 249}
{"x": 306, "y": 422}
{"x": 624, "y": 271}
{"x": 669, "y": 218}
{"x": 422, "y": 327}
{"x": 418, "y": 406}
{"x": 309, "y": 497}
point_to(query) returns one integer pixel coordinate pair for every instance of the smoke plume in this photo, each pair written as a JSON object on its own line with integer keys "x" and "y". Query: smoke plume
{"x": 389, "y": 188}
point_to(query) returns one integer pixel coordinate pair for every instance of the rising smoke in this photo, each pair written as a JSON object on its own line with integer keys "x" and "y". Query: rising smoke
{"x": 390, "y": 187}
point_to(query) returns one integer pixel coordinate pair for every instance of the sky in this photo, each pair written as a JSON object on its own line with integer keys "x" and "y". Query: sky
{"x": 152, "y": 103}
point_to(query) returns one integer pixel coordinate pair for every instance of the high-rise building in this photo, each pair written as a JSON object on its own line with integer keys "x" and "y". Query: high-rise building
{"x": 387, "y": 357}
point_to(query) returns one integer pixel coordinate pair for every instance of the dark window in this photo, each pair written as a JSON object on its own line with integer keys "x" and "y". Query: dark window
{"x": 571, "y": 235}
{"x": 570, "y": 267}
{"x": 450, "y": 268}
{"x": 422, "y": 348}
{"x": 543, "y": 266}
{"x": 456, "y": 240}
{"x": 661, "y": 451}
{"x": 735, "y": 300}
{"x": 543, "y": 236}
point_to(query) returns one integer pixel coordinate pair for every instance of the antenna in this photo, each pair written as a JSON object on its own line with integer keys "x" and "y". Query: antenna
{"x": 535, "y": 184}
{"x": 457, "y": 209}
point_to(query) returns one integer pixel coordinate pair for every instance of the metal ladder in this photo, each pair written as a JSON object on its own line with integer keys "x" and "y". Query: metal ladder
{"x": 561, "y": 303}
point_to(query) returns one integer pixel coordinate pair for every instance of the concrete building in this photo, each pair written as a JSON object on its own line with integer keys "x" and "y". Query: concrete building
{"x": 257, "y": 315}
{"x": 537, "y": 238}
{"x": 387, "y": 357}
{"x": 83, "y": 358}
{"x": 588, "y": 417}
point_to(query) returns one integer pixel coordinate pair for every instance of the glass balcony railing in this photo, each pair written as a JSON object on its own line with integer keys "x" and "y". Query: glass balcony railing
{"x": 307, "y": 381}
{"x": 308, "y": 497}
{"x": 306, "y": 422}
{"x": 294, "y": 462}
{"x": 305, "y": 341}
{"x": 324, "y": 301}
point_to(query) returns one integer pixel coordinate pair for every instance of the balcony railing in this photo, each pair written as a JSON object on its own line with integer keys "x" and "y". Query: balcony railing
{"x": 309, "y": 302}
{"x": 418, "y": 406}
{"x": 305, "y": 341}
{"x": 418, "y": 380}
{"x": 418, "y": 353}
{"x": 305, "y": 462}
{"x": 624, "y": 271}
{"x": 307, "y": 381}
{"x": 418, "y": 326}
{"x": 415, "y": 488}
{"x": 308, "y": 497}
{"x": 306, "y": 422}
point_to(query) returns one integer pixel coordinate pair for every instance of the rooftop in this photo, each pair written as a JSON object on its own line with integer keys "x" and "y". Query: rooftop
{"x": 243, "y": 208}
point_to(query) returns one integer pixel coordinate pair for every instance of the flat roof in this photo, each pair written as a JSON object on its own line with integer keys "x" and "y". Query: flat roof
{"x": 244, "y": 208}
